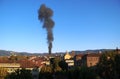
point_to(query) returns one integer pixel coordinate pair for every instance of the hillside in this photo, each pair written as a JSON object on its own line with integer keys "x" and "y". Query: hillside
{"x": 7, "y": 53}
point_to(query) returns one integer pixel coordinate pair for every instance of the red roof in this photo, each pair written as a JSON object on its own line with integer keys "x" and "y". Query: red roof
{"x": 79, "y": 55}
{"x": 26, "y": 64}
{"x": 6, "y": 61}
{"x": 93, "y": 55}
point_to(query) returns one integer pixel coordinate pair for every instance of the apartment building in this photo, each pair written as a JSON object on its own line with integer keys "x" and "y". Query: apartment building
{"x": 90, "y": 59}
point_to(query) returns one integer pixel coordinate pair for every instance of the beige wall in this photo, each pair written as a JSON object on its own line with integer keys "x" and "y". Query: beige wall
{"x": 45, "y": 62}
{"x": 70, "y": 62}
{"x": 9, "y": 65}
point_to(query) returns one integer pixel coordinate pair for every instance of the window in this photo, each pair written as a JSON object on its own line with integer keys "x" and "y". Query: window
{"x": 90, "y": 64}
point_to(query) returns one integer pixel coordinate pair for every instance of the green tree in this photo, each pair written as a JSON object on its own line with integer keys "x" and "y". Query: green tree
{"x": 45, "y": 73}
{"x": 20, "y": 74}
{"x": 63, "y": 65}
{"x": 106, "y": 68}
{"x": 55, "y": 64}
{"x": 82, "y": 72}
{"x": 3, "y": 72}
{"x": 87, "y": 73}
{"x": 117, "y": 66}
{"x": 46, "y": 69}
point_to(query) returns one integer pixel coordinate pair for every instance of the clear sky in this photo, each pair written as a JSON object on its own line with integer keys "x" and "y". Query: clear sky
{"x": 79, "y": 25}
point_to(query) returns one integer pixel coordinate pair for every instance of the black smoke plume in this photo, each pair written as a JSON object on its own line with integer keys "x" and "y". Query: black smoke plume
{"x": 44, "y": 15}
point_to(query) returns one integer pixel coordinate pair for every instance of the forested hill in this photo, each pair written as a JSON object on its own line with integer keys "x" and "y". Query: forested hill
{"x": 7, "y": 53}
{"x": 4, "y": 53}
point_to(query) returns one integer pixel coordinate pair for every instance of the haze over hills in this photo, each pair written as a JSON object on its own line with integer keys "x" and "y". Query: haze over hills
{"x": 7, "y": 53}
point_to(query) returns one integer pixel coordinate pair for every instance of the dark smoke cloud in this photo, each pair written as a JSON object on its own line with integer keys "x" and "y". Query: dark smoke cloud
{"x": 44, "y": 15}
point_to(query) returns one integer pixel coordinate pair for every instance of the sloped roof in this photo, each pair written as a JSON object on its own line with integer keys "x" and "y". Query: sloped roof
{"x": 26, "y": 64}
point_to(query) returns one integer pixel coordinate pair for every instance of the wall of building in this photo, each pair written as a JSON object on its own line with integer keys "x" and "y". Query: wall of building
{"x": 92, "y": 61}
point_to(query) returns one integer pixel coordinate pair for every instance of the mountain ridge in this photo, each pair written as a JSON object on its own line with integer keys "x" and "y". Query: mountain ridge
{"x": 7, "y": 52}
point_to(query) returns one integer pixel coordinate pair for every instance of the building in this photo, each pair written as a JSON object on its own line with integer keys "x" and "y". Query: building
{"x": 11, "y": 67}
{"x": 13, "y": 63}
{"x": 78, "y": 59}
{"x": 67, "y": 56}
{"x": 69, "y": 60}
{"x": 72, "y": 54}
{"x": 90, "y": 59}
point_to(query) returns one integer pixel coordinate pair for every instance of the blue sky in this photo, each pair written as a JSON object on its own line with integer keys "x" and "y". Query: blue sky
{"x": 79, "y": 25}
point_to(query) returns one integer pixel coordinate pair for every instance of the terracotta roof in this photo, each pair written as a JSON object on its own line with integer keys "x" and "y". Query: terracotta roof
{"x": 93, "y": 55}
{"x": 79, "y": 55}
{"x": 26, "y": 64}
{"x": 6, "y": 61}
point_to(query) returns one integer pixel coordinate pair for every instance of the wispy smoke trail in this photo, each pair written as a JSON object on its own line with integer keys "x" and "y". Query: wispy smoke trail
{"x": 44, "y": 15}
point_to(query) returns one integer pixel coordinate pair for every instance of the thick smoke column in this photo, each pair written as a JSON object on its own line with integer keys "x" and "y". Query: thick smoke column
{"x": 44, "y": 15}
